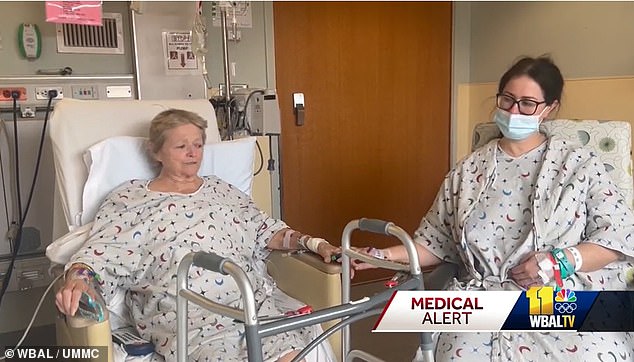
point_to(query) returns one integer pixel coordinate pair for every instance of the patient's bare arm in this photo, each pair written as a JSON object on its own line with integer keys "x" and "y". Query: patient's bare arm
{"x": 289, "y": 239}
{"x": 398, "y": 253}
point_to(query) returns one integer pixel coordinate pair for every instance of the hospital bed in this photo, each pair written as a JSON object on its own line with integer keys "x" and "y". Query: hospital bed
{"x": 76, "y": 126}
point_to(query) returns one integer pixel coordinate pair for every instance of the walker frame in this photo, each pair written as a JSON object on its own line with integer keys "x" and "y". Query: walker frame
{"x": 348, "y": 311}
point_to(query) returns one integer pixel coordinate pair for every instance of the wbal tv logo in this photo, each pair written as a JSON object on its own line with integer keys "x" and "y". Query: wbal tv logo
{"x": 543, "y": 303}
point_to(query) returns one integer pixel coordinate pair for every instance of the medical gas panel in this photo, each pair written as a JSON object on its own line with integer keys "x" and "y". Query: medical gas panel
{"x": 18, "y": 171}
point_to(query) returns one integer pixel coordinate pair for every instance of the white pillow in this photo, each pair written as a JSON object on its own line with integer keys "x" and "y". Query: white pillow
{"x": 116, "y": 160}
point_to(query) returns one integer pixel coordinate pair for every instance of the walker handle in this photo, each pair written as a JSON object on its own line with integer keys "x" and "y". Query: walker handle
{"x": 375, "y": 225}
{"x": 210, "y": 261}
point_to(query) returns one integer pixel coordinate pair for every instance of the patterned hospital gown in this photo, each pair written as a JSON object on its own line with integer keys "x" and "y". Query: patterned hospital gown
{"x": 139, "y": 237}
{"x": 494, "y": 209}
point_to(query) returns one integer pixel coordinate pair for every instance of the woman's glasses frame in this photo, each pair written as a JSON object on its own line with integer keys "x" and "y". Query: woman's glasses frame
{"x": 526, "y": 107}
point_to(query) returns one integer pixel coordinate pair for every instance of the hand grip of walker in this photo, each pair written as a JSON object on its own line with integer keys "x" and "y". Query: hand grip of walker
{"x": 375, "y": 225}
{"x": 210, "y": 261}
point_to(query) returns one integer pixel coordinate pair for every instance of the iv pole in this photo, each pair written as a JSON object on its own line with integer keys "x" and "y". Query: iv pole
{"x": 225, "y": 58}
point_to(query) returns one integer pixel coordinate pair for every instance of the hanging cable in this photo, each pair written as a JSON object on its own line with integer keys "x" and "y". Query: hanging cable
{"x": 15, "y": 96}
{"x": 4, "y": 182}
{"x": 52, "y": 94}
{"x": 22, "y": 215}
{"x": 261, "y": 158}
{"x": 16, "y": 241}
{"x": 271, "y": 162}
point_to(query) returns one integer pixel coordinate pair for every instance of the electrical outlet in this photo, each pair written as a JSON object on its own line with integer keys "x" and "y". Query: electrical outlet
{"x": 5, "y": 93}
{"x": 84, "y": 92}
{"x": 41, "y": 93}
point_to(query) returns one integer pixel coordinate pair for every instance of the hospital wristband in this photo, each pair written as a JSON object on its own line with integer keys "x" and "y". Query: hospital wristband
{"x": 377, "y": 253}
{"x": 564, "y": 264}
{"x": 576, "y": 255}
{"x": 286, "y": 240}
{"x": 82, "y": 271}
{"x": 302, "y": 241}
{"x": 556, "y": 272}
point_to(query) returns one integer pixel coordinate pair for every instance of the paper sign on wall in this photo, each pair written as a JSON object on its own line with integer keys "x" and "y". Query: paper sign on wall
{"x": 179, "y": 52}
{"x": 74, "y": 12}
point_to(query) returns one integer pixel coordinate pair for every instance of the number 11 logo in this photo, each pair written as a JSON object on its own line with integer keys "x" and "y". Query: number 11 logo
{"x": 540, "y": 300}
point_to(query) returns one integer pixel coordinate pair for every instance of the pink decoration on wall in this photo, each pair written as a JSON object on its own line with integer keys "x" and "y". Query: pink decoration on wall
{"x": 74, "y": 12}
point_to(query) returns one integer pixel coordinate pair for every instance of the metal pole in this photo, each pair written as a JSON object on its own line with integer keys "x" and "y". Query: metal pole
{"x": 225, "y": 58}
{"x": 181, "y": 307}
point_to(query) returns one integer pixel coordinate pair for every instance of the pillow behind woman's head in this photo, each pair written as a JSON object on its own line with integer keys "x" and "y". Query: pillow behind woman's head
{"x": 116, "y": 160}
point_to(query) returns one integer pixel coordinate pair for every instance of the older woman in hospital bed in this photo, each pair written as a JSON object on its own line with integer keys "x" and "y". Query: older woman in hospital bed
{"x": 145, "y": 227}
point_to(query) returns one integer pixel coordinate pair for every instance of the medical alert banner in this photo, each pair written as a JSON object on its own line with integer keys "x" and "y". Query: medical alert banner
{"x": 538, "y": 309}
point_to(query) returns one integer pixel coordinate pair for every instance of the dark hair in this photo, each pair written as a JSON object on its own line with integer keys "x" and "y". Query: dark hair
{"x": 543, "y": 71}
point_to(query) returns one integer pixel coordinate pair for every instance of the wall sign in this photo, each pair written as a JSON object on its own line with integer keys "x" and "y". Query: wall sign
{"x": 178, "y": 51}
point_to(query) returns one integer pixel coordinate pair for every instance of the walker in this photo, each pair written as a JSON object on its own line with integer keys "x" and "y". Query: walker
{"x": 348, "y": 311}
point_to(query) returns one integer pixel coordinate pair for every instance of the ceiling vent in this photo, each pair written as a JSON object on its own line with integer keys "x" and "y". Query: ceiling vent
{"x": 92, "y": 39}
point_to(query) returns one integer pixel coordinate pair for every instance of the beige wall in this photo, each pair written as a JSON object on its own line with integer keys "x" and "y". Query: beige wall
{"x": 594, "y": 98}
{"x": 590, "y": 41}
{"x": 13, "y": 13}
{"x": 587, "y": 39}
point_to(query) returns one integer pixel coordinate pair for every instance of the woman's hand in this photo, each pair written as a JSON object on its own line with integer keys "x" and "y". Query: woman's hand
{"x": 369, "y": 251}
{"x": 525, "y": 274}
{"x": 67, "y": 298}
{"x": 326, "y": 250}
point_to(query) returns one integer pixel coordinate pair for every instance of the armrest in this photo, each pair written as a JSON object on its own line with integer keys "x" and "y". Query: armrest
{"x": 74, "y": 321}
{"x": 306, "y": 277}
{"x": 77, "y": 331}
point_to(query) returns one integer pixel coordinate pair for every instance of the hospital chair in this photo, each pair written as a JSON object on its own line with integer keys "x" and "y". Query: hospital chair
{"x": 75, "y": 126}
{"x": 610, "y": 140}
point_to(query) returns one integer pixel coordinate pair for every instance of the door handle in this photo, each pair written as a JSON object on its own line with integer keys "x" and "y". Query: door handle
{"x": 298, "y": 108}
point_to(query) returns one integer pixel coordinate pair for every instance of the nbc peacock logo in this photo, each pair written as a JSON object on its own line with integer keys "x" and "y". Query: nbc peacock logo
{"x": 565, "y": 301}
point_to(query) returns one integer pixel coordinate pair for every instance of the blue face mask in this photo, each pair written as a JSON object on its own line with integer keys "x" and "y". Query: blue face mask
{"x": 516, "y": 126}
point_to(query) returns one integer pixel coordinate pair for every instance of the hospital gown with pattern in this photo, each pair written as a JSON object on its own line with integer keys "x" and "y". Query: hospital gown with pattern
{"x": 139, "y": 237}
{"x": 495, "y": 209}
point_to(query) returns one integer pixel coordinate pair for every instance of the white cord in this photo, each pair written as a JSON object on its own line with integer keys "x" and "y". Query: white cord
{"x": 37, "y": 309}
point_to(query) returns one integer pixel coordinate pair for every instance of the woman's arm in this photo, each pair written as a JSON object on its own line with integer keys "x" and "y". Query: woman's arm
{"x": 594, "y": 257}
{"x": 289, "y": 239}
{"x": 398, "y": 253}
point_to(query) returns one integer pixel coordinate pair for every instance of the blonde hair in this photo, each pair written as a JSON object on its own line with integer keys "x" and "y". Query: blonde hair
{"x": 169, "y": 119}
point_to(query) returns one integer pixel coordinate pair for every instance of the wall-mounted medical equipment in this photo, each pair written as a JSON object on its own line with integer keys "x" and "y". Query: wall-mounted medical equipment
{"x": 258, "y": 111}
{"x": 30, "y": 269}
{"x": 29, "y": 41}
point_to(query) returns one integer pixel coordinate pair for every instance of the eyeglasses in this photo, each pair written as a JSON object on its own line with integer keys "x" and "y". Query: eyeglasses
{"x": 527, "y": 107}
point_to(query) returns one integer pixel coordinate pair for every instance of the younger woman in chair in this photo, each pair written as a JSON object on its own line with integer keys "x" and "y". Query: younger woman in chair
{"x": 527, "y": 210}
{"x": 145, "y": 227}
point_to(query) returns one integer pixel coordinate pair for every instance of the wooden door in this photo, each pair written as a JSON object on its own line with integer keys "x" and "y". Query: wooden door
{"x": 375, "y": 143}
